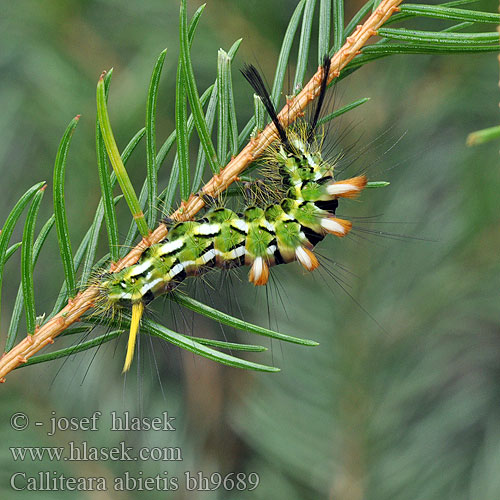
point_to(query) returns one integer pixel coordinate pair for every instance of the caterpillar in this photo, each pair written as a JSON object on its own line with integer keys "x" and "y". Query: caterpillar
{"x": 306, "y": 197}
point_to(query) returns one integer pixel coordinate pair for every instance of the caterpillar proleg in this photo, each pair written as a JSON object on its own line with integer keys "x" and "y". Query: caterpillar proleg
{"x": 305, "y": 198}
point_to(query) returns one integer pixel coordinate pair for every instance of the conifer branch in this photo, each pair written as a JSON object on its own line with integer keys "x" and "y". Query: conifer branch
{"x": 85, "y": 299}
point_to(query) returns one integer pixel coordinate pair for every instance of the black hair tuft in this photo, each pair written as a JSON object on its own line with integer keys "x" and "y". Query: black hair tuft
{"x": 253, "y": 77}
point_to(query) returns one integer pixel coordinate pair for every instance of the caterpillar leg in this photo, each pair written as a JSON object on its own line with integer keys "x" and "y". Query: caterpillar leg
{"x": 137, "y": 310}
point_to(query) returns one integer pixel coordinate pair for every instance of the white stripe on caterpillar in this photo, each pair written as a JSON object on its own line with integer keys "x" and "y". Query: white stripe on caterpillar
{"x": 171, "y": 246}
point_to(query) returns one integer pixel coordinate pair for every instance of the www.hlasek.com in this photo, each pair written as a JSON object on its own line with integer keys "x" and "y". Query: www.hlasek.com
{"x": 83, "y": 451}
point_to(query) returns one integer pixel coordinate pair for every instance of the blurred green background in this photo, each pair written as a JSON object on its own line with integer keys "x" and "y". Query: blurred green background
{"x": 402, "y": 398}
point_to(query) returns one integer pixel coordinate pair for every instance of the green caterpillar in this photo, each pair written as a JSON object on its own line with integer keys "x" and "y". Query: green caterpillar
{"x": 259, "y": 237}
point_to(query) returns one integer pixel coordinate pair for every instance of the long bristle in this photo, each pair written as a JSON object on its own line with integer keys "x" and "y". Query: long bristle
{"x": 255, "y": 80}
{"x": 321, "y": 97}
{"x": 137, "y": 310}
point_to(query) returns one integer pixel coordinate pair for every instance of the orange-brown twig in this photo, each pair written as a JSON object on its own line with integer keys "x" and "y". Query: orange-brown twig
{"x": 293, "y": 109}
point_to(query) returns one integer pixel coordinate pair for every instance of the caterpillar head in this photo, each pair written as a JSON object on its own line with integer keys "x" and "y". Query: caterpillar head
{"x": 122, "y": 289}
{"x": 113, "y": 286}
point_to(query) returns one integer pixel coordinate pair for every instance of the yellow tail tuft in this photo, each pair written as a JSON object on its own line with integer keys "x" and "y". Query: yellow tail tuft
{"x": 137, "y": 310}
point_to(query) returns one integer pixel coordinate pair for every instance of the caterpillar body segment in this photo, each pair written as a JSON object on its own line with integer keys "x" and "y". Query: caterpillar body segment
{"x": 297, "y": 209}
